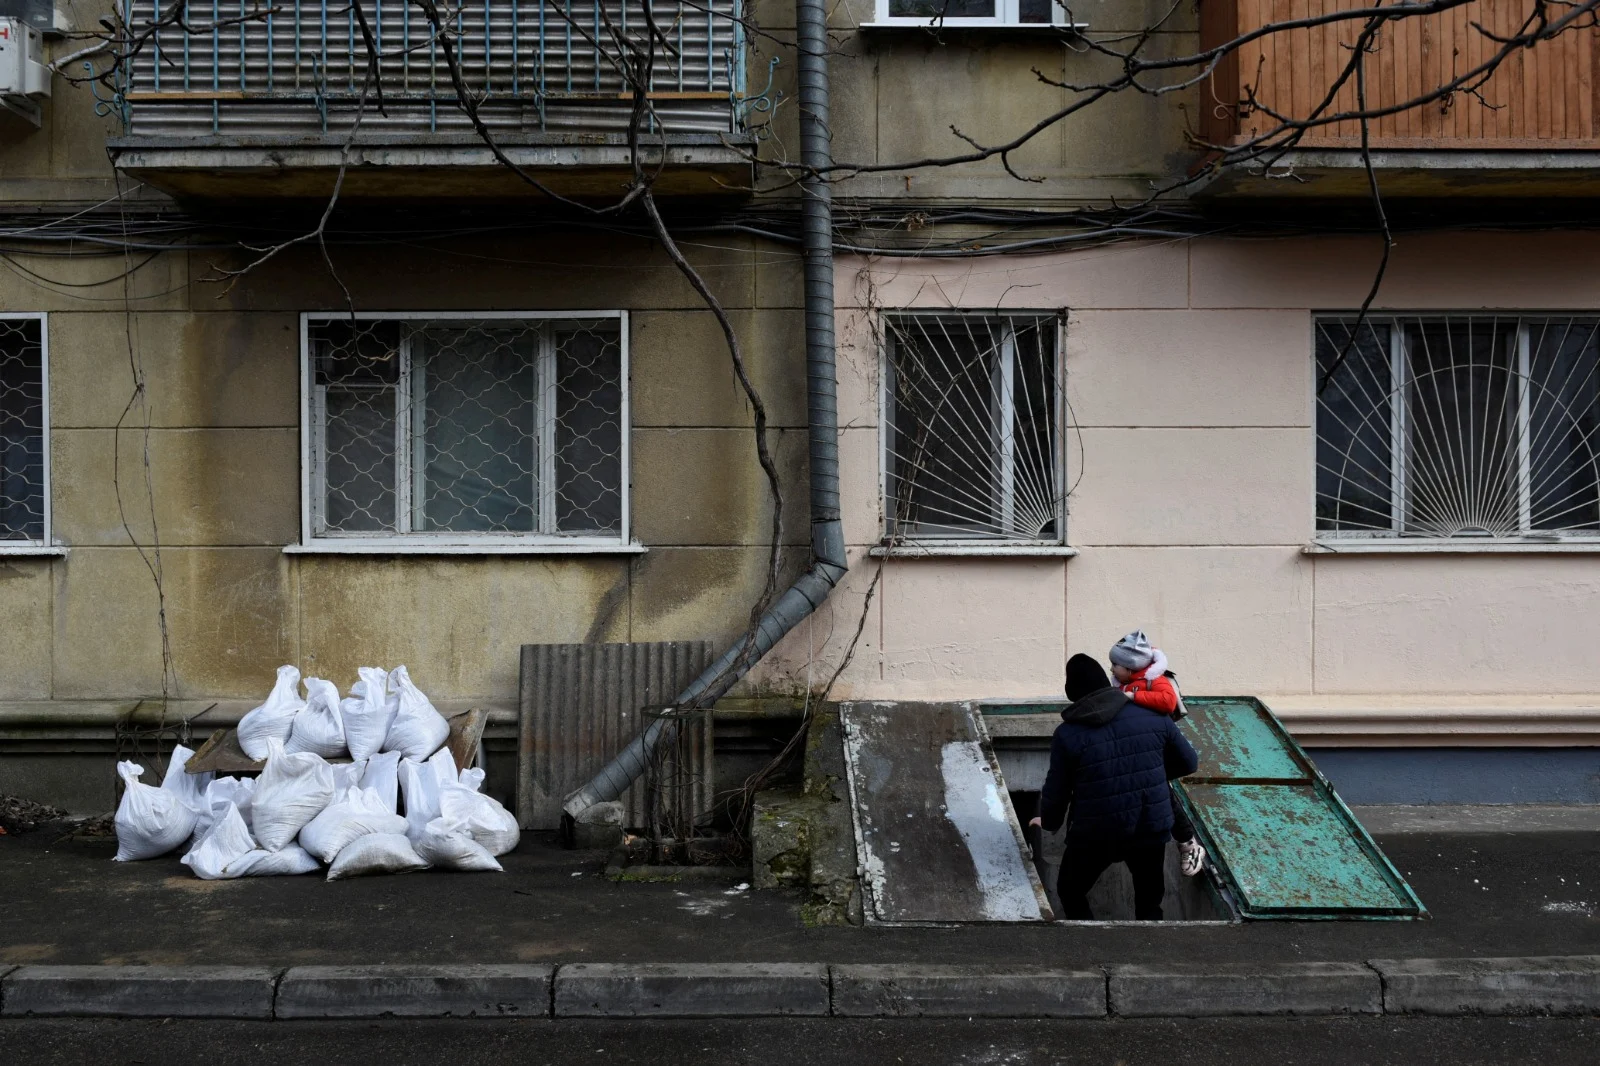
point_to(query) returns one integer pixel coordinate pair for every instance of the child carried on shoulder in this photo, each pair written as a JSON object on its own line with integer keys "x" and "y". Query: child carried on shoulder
{"x": 1142, "y": 672}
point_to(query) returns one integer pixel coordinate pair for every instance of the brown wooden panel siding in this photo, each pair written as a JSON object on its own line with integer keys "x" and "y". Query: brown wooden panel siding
{"x": 1544, "y": 96}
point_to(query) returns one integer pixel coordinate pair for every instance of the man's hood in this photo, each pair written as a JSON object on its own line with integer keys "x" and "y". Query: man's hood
{"x": 1097, "y": 708}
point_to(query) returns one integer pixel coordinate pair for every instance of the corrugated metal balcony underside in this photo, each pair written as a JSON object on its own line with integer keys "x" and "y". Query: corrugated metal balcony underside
{"x": 268, "y": 105}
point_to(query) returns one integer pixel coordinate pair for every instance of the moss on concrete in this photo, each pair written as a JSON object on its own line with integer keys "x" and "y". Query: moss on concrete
{"x": 806, "y": 839}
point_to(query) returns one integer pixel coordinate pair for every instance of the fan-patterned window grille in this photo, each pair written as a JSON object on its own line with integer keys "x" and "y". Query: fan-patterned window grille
{"x": 972, "y": 428}
{"x": 24, "y": 462}
{"x": 476, "y": 429}
{"x": 1458, "y": 426}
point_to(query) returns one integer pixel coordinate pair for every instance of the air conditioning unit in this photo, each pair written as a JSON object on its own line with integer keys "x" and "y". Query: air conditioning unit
{"x": 24, "y": 79}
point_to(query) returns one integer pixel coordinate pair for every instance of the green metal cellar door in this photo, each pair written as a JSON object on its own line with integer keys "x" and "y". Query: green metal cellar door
{"x": 1285, "y": 843}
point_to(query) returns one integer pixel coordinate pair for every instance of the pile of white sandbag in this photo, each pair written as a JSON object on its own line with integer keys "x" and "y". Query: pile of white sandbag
{"x": 398, "y": 805}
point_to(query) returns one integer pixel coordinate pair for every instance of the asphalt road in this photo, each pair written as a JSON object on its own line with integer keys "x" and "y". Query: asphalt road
{"x": 67, "y": 902}
{"x": 774, "y": 1042}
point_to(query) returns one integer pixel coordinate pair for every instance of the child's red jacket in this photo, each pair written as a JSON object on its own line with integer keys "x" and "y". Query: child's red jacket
{"x": 1156, "y": 693}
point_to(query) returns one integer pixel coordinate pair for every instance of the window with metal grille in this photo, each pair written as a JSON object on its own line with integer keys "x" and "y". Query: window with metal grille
{"x": 475, "y": 429}
{"x": 1458, "y": 426}
{"x": 972, "y": 416}
{"x": 24, "y": 430}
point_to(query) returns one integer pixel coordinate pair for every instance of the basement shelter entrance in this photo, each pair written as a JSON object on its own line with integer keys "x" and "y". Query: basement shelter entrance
{"x": 940, "y": 791}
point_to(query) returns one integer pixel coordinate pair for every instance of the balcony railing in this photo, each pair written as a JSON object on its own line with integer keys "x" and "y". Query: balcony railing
{"x": 1539, "y": 97}
{"x": 294, "y": 69}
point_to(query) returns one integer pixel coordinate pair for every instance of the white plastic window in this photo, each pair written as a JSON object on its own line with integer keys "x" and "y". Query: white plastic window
{"x": 958, "y": 13}
{"x": 24, "y": 434}
{"x": 467, "y": 430}
{"x": 1465, "y": 428}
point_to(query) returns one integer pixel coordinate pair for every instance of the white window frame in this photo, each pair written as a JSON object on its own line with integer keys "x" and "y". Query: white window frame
{"x": 1358, "y": 542}
{"x": 452, "y": 543}
{"x": 913, "y": 547}
{"x": 1006, "y": 16}
{"x": 45, "y": 545}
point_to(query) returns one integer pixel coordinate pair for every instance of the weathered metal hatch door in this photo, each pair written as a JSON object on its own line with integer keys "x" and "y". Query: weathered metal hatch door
{"x": 1285, "y": 843}
{"x": 937, "y": 837}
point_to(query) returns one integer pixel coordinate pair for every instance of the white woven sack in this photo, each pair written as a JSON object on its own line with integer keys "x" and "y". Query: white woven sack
{"x": 368, "y": 713}
{"x": 221, "y": 792}
{"x": 354, "y": 814}
{"x": 382, "y": 773}
{"x": 292, "y": 790}
{"x": 150, "y": 821}
{"x": 418, "y": 729}
{"x": 191, "y": 788}
{"x": 273, "y": 719}
{"x": 376, "y": 853}
{"x": 318, "y": 727}
{"x": 421, "y": 794}
{"x": 480, "y": 817}
{"x": 347, "y": 775}
{"x": 223, "y": 846}
{"x": 288, "y": 862}
{"x": 447, "y": 846}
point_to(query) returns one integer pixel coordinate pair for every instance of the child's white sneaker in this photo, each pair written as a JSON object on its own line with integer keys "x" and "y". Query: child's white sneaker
{"x": 1191, "y": 857}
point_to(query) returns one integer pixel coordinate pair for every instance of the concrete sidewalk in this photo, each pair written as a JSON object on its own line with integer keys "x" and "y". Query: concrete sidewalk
{"x": 1491, "y": 895}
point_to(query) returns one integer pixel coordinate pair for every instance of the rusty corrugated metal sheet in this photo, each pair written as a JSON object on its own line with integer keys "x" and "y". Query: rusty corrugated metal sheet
{"x": 580, "y": 703}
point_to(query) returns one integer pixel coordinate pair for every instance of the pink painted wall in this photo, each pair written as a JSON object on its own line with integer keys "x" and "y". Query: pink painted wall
{"x": 1188, "y": 369}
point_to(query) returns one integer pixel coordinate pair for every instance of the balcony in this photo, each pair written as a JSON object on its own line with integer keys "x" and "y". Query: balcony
{"x": 1535, "y": 132}
{"x": 269, "y": 106}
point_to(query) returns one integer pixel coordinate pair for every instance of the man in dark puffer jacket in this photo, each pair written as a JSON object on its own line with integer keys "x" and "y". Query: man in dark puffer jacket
{"x": 1110, "y": 761}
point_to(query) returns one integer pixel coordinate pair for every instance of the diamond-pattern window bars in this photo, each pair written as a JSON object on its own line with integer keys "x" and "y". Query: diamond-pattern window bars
{"x": 1459, "y": 426}
{"x": 23, "y": 499}
{"x": 972, "y": 428}
{"x": 467, "y": 428}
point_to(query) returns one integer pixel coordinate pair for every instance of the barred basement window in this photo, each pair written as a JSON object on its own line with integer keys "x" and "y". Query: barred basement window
{"x": 24, "y": 429}
{"x": 972, "y": 440}
{"x": 1459, "y": 426}
{"x": 473, "y": 430}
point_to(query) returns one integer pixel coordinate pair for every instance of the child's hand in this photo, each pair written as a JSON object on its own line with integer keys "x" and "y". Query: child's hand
{"x": 1035, "y": 822}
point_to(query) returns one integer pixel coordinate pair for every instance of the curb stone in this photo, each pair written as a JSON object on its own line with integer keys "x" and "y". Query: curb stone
{"x": 1565, "y": 984}
{"x": 467, "y": 991}
{"x": 676, "y": 990}
{"x": 1450, "y": 987}
{"x": 967, "y": 991}
{"x": 141, "y": 991}
{"x": 1244, "y": 989}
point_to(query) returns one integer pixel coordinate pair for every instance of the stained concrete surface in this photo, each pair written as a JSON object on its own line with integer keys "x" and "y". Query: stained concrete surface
{"x": 780, "y": 1042}
{"x": 66, "y": 902}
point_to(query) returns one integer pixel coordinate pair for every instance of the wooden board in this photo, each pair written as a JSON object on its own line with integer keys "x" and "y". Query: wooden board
{"x": 222, "y": 754}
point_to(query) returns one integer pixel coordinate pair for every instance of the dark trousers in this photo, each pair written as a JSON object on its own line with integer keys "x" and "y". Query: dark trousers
{"x": 1182, "y": 827}
{"x": 1083, "y": 864}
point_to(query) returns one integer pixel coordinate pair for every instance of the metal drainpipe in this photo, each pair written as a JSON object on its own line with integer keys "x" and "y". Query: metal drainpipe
{"x": 828, "y": 562}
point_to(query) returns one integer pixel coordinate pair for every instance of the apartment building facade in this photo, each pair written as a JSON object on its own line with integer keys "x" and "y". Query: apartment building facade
{"x": 468, "y": 414}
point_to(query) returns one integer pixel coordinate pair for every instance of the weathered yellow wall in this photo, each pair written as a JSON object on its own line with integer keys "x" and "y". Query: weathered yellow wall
{"x": 222, "y": 373}
{"x": 896, "y": 93}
